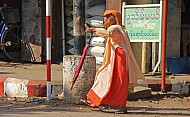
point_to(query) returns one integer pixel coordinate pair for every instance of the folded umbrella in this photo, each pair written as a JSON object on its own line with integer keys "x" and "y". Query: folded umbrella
{"x": 81, "y": 61}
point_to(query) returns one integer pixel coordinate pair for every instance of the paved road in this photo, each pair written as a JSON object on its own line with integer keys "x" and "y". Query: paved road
{"x": 156, "y": 106}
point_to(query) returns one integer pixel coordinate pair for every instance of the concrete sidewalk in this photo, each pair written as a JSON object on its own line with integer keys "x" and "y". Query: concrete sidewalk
{"x": 17, "y": 79}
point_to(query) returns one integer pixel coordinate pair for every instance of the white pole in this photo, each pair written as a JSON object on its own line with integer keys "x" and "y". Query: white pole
{"x": 123, "y": 13}
{"x": 160, "y": 42}
{"x": 63, "y": 38}
{"x": 48, "y": 49}
{"x": 63, "y": 26}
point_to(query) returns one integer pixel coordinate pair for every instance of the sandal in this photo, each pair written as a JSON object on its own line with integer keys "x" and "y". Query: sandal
{"x": 107, "y": 110}
{"x": 121, "y": 111}
{"x": 101, "y": 108}
{"x": 86, "y": 102}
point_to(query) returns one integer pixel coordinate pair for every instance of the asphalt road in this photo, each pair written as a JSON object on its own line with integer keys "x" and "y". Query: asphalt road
{"x": 150, "y": 107}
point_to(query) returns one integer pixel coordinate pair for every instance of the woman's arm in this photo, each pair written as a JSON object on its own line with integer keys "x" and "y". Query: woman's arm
{"x": 99, "y": 31}
{"x": 102, "y": 32}
{"x": 112, "y": 31}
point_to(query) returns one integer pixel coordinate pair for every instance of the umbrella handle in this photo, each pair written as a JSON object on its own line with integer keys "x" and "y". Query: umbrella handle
{"x": 90, "y": 38}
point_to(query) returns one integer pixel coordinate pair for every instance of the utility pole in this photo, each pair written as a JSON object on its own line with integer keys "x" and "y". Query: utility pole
{"x": 114, "y": 5}
{"x": 78, "y": 26}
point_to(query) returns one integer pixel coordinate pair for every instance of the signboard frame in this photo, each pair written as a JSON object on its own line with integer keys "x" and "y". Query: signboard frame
{"x": 143, "y": 6}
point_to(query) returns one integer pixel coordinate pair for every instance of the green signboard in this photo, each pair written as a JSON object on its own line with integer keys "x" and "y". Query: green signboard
{"x": 142, "y": 22}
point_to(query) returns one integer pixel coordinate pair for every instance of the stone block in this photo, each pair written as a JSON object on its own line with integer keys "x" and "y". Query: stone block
{"x": 176, "y": 87}
{"x": 140, "y": 92}
{"x": 84, "y": 81}
{"x": 185, "y": 88}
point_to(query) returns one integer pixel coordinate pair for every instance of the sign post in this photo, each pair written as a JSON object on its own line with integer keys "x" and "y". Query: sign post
{"x": 164, "y": 36}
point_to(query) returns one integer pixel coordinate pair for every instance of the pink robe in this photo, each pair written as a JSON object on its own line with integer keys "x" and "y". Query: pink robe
{"x": 119, "y": 70}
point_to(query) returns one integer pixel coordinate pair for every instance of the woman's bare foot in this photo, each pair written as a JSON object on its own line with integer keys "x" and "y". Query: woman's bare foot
{"x": 88, "y": 103}
{"x": 121, "y": 110}
{"x": 115, "y": 109}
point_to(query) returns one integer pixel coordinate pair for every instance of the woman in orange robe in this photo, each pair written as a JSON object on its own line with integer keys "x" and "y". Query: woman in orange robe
{"x": 119, "y": 70}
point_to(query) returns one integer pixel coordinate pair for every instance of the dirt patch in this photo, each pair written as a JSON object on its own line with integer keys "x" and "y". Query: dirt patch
{"x": 156, "y": 105}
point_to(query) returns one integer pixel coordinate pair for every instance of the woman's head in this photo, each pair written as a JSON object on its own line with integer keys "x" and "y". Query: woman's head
{"x": 112, "y": 17}
{"x": 109, "y": 20}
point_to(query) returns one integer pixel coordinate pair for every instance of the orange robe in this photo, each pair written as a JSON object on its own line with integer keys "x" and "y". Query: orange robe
{"x": 119, "y": 69}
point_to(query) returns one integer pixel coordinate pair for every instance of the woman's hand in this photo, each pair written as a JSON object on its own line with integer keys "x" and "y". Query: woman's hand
{"x": 89, "y": 28}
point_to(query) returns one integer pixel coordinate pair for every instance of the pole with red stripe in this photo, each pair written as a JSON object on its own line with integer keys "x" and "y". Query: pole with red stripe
{"x": 48, "y": 50}
{"x": 164, "y": 37}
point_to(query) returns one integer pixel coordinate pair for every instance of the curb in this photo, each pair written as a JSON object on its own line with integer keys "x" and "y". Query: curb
{"x": 180, "y": 87}
{"x": 13, "y": 87}
{"x": 2, "y": 80}
{"x": 155, "y": 85}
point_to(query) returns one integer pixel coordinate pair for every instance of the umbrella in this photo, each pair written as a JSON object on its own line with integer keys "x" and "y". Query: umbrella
{"x": 85, "y": 50}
